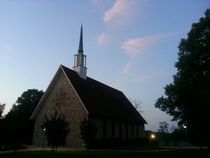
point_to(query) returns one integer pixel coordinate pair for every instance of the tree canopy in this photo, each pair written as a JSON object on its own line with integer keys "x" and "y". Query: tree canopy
{"x": 2, "y": 106}
{"x": 88, "y": 132}
{"x": 26, "y": 104}
{"x": 2, "y": 141}
{"x": 187, "y": 99}
{"x": 163, "y": 127}
{"x": 56, "y": 129}
{"x": 17, "y": 124}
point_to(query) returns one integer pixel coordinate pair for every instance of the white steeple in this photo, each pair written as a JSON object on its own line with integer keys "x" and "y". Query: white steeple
{"x": 80, "y": 59}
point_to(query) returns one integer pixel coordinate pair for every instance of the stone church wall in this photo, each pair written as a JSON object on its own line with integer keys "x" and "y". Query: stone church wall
{"x": 61, "y": 97}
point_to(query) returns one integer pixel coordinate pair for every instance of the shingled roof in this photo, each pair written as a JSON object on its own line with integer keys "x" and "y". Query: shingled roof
{"x": 101, "y": 100}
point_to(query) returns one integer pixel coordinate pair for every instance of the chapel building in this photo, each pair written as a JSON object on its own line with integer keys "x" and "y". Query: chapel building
{"x": 79, "y": 97}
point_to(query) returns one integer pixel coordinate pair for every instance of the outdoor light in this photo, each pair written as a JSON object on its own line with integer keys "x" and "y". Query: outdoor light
{"x": 184, "y": 126}
{"x": 44, "y": 130}
{"x": 152, "y": 136}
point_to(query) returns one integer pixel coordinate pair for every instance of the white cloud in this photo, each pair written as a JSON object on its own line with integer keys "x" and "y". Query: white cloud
{"x": 102, "y": 39}
{"x": 120, "y": 12}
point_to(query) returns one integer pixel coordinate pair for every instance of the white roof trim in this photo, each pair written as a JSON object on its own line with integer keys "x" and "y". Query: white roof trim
{"x": 38, "y": 107}
{"x": 75, "y": 91}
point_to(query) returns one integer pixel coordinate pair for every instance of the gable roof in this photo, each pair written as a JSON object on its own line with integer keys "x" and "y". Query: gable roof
{"x": 101, "y": 100}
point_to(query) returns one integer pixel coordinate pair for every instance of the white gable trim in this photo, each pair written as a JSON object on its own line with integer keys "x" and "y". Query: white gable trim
{"x": 42, "y": 100}
{"x": 75, "y": 91}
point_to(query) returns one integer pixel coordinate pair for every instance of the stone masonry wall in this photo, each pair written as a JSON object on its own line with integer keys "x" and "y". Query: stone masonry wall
{"x": 61, "y": 97}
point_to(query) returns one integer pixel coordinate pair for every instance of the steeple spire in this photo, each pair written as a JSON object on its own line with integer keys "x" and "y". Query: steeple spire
{"x": 80, "y": 59}
{"x": 81, "y": 41}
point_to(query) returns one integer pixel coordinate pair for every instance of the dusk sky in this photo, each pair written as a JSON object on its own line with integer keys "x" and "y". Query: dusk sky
{"x": 131, "y": 45}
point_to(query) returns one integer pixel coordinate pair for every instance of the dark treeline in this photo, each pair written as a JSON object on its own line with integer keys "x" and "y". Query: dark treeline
{"x": 187, "y": 98}
{"x": 16, "y": 128}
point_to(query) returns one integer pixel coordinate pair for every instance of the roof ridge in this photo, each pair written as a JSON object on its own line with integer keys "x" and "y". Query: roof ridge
{"x": 95, "y": 80}
{"x": 101, "y": 99}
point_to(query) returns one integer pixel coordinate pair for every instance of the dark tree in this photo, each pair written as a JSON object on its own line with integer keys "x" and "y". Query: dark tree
{"x": 19, "y": 127}
{"x": 56, "y": 129}
{"x": 137, "y": 105}
{"x": 26, "y": 103}
{"x": 163, "y": 127}
{"x": 2, "y": 134}
{"x": 88, "y": 132}
{"x": 2, "y": 106}
{"x": 179, "y": 134}
{"x": 187, "y": 99}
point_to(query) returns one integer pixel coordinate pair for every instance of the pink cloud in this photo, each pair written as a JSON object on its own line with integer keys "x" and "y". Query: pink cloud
{"x": 120, "y": 12}
{"x": 134, "y": 46}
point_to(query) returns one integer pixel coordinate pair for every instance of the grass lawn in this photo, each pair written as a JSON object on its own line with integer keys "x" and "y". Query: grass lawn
{"x": 178, "y": 153}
